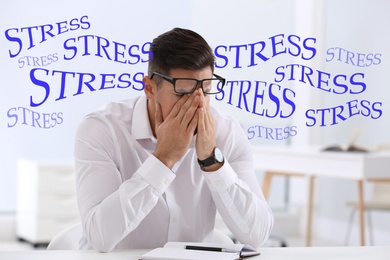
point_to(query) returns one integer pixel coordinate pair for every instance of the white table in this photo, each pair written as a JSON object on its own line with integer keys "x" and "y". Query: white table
{"x": 274, "y": 253}
{"x": 312, "y": 162}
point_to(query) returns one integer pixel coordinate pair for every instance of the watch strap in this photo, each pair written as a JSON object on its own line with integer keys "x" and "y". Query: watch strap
{"x": 208, "y": 161}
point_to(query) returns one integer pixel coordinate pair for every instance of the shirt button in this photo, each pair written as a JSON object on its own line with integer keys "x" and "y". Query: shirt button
{"x": 174, "y": 220}
{"x": 166, "y": 183}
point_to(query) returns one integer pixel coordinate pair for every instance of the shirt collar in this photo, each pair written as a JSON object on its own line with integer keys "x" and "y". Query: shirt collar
{"x": 141, "y": 128}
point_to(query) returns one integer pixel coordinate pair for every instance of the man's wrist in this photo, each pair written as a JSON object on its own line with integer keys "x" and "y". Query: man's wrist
{"x": 166, "y": 161}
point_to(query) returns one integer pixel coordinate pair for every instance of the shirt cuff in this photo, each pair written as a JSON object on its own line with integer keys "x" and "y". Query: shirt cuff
{"x": 156, "y": 174}
{"x": 221, "y": 179}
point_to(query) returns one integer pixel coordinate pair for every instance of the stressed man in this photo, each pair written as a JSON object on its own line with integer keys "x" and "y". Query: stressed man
{"x": 157, "y": 167}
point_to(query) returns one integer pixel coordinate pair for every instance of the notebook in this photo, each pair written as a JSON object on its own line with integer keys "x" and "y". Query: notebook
{"x": 200, "y": 251}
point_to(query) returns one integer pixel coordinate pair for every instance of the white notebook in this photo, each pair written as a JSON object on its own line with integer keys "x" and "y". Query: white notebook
{"x": 200, "y": 251}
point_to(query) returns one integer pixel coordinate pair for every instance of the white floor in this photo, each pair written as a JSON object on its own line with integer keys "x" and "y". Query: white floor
{"x": 15, "y": 246}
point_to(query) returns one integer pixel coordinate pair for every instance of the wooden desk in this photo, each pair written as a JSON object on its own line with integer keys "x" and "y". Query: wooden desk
{"x": 312, "y": 162}
{"x": 273, "y": 253}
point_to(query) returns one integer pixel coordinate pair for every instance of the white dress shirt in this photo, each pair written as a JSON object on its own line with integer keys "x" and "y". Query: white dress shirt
{"x": 127, "y": 198}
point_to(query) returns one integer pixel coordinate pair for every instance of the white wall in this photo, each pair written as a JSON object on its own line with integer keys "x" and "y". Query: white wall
{"x": 126, "y": 22}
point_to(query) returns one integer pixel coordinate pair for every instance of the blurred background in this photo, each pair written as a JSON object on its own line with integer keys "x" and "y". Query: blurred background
{"x": 300, "y": 74}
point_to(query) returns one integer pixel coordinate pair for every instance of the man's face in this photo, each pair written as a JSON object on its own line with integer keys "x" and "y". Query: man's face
{"x": 166, "y": 96}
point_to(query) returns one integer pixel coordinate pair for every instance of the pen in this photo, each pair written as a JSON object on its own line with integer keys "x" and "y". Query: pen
{"x": 215, "y": 249}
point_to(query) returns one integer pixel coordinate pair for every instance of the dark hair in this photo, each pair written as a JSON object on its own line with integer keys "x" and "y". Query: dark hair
{"x": 180, "y": 48}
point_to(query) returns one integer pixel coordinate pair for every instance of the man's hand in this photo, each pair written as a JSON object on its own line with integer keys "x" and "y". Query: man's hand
{"x": 175, "y": 133}
{"x": 206, "y": 139}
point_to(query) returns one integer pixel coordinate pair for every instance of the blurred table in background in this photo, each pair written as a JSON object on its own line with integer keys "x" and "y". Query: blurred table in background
{"x": 312, "y": 162}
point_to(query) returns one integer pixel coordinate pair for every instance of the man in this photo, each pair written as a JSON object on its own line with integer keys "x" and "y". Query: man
{"x": 156, "y": 168}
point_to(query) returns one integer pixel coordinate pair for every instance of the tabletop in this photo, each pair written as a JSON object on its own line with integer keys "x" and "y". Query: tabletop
{"x": 271, "y": 253}
{"x": 312, "y": 161}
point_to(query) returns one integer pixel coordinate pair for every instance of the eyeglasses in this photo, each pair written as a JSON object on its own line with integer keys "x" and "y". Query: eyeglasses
{"x": 188, "y": 85}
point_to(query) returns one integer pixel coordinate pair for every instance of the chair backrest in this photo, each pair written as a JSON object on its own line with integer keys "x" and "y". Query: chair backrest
{"x": 381, "y": 192}
{"x": 381, "y": 189}
{"x": 67, "y": 239}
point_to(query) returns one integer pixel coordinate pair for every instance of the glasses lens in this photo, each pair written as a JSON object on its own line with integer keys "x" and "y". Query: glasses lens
{"x": 185, "y": 86}
{"x": 212, "y": 86}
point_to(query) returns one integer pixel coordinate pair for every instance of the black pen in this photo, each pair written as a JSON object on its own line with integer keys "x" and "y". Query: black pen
{"x": 208, "y": 248}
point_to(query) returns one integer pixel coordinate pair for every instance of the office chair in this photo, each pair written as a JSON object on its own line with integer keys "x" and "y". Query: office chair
{"x": 67, "y": 239}
{"x": 379, "y": 201}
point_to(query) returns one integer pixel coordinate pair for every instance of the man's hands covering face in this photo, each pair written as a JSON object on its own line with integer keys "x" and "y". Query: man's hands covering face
{"x": 175, "y": 133}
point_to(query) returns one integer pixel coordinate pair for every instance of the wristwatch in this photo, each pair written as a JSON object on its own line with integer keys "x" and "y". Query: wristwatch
{"x": 216, "y": 157}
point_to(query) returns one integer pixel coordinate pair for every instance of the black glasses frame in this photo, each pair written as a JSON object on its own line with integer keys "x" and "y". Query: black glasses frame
{"x": 173, "y": 82}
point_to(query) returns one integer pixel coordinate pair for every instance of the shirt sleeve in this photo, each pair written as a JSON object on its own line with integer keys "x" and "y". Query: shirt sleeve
{"x": 103, "y": 197}
{"x": 237, "y": 193}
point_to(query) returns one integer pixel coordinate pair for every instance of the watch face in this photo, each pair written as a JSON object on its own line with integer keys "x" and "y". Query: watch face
{"x": 218, "y": 155}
